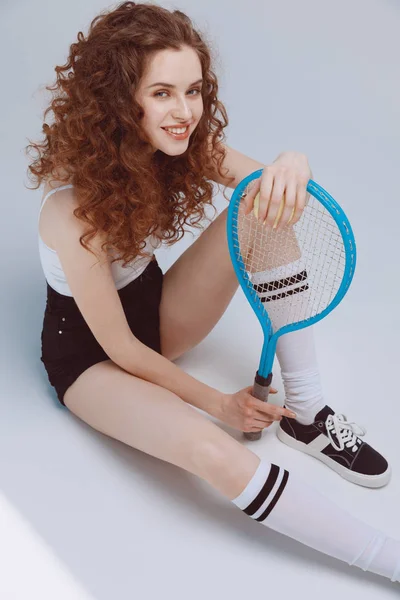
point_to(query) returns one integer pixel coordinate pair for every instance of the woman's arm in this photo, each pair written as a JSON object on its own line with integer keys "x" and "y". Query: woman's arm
{"x": 91, "y": 281}
{"x": 238, "y": 165}
{"x": 140, "y": 360}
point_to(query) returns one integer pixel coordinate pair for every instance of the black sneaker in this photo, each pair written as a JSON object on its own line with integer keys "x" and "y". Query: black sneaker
{"x": 335, "y": 441}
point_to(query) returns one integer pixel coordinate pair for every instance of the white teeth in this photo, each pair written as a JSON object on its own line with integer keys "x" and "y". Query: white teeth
{"x": 181, "y": 130}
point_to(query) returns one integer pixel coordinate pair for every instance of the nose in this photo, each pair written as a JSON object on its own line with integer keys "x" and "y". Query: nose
{"x": 182, "y": 110}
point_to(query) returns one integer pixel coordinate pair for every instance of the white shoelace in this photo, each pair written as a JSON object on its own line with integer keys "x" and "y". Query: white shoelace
{"x": 346, "y": 432}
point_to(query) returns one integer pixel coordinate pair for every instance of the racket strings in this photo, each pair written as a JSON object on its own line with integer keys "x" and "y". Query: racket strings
{"x": 299, "y": 270}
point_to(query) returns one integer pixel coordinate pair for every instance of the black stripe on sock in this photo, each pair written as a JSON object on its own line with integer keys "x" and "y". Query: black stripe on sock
{"x": 280, "y": 283}
{"x": 276, "y": 498}
{"x": 284, "y": 294}
{"x": 265, "y": 490}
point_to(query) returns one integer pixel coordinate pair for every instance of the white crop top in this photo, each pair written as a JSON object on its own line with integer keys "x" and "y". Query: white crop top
{"x": 54, "y": 273}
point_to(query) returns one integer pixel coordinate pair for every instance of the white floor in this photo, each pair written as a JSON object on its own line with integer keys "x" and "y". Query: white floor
{"x": 85, "y": 517}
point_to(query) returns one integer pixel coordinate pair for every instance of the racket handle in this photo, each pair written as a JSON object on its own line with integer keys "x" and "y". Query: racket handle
{"x": 261, "y": 388}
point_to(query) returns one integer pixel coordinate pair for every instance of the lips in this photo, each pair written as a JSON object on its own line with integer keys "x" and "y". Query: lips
{"x": 178, "y": 136}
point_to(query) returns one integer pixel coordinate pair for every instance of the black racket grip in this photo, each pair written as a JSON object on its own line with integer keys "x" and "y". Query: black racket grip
{"x": 261, "y": 388}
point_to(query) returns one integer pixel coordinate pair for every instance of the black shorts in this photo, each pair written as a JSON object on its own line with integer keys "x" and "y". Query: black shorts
{"x": 68, "y": 345}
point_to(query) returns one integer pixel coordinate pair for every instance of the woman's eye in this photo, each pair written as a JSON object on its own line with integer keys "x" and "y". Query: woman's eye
{"x": 157, "y": 94}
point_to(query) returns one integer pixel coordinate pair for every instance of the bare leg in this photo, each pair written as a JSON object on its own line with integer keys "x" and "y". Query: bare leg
{"x": 197, "y": 289}
{"x": 199, "y": 286}
{"x": 156, "y": 421}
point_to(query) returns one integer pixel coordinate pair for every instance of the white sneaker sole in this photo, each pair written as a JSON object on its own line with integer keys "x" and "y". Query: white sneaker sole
{"x": 371, "y": 481}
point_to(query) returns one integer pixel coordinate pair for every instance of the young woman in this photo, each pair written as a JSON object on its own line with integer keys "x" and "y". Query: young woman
{"x": 130, "y": 159}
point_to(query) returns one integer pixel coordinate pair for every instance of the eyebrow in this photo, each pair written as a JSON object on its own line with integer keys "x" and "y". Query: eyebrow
{"x": 169, "y": 85}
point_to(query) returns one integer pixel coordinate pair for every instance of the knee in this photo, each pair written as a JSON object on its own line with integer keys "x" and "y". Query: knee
{"x": 211, "y": 457}
{"x": 225, "y": 464}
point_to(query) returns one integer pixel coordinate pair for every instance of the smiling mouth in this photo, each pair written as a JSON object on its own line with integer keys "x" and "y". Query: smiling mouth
{"x": 169, "y": 129}
{"x": 178, "y": 136}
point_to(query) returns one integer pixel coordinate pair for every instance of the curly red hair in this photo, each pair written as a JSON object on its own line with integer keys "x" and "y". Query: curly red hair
{"x": 124, "y": 189}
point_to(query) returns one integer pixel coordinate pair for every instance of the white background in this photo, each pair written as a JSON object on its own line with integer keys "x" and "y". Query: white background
{"x": 83, "y": 516}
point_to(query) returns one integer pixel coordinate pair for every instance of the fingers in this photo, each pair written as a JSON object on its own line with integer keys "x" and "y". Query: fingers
{"x": 258, "y": 426}
{"x": 265, "y": 189}
{"x": 250, "y": 194}
{"x": 282, "y": 197}
{"x": 301, "y": 193}
{"x": 260, "y": 414}
{"x": 270, "y": 411}
{"x": 269, "y": 211}
{"x": 261, "y": 420}
{"x": 289, "y": 205}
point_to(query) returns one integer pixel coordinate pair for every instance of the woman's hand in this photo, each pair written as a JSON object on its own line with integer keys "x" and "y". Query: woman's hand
{"x": 244, "y": 412}
{"x": 282, "y": 190}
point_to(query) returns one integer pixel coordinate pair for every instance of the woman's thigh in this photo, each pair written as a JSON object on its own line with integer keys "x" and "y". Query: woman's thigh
{"x": 156, "y": 421}
{"x": 196, "y": 291}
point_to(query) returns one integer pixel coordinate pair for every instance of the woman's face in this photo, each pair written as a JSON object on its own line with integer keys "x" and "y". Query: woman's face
{"x": 178, "y": 105}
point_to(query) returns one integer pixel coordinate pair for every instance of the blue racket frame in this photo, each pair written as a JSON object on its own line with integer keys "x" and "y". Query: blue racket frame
{"x": 270, "y": 341}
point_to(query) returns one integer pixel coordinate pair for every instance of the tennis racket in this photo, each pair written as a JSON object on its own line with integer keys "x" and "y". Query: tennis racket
{"x": 294, "y": 277}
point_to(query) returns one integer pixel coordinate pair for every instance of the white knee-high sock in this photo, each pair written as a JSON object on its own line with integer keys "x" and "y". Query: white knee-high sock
{"x": 284, "y": 291}
{"x": 300, "y": 374}
{"x": 287, "y": 504}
